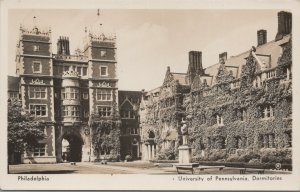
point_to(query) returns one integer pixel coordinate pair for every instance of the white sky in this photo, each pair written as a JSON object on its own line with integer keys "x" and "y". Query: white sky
{"x": 150, "y": 40}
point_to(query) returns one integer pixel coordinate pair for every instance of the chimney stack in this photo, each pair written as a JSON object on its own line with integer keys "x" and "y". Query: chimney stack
{"x": 63, "y": 46}
{"x": 222, "y": 57}
{"x": 195, "y": 65}
{"x": 284, "y": 24}
{"x": 261, "y": 37}
{"x": 195, "y": 62}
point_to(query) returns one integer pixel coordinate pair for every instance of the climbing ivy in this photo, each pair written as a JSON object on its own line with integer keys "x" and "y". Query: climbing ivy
{"x": 208, "y": 138}
{"x": 105, "y": 137}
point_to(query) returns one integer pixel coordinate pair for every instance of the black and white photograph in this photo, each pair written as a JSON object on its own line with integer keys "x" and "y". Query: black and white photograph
{"x": 201, "y": 97}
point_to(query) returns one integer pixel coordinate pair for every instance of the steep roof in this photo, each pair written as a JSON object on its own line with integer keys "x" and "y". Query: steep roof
{"x": 133, "y": 97}
{"x": 13, "y": 83}
{"x": 180, "y": 77}
{"x": 272, "y": 49}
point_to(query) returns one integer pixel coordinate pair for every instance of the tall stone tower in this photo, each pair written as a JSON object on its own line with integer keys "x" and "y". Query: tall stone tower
{"x": 34, "y": 66}
{"x": 102, "y": 82}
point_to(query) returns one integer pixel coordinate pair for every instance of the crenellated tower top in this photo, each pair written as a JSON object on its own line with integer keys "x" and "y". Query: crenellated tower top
{"x": 34, "y": 31}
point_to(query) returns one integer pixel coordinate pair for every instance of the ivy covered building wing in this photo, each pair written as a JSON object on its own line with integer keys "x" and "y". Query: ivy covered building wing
{"x": 240, "y": 106}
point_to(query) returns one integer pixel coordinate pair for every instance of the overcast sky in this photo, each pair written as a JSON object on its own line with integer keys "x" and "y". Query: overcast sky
{"x": 150, "y": 40}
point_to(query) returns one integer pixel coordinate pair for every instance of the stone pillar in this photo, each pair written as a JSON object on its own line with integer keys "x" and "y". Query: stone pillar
{"x": 185, "y": 154}
{"x": 153, "y": 152}
{"x": 149, "y": 152}
{"x": 138, "y": 150}
{"x": 145, "y": 152}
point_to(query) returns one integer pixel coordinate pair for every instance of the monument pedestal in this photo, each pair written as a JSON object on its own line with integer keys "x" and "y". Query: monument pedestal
{"x": 185, "y": 154}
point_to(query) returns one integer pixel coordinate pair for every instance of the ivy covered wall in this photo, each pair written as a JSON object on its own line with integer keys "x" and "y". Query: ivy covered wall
{"x": 232, "y": 123}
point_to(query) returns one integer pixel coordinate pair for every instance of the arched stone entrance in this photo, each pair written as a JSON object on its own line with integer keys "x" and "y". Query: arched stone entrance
{"x": 73, "y": 151}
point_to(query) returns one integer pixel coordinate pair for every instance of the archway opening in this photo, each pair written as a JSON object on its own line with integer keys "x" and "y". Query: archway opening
{"x": 72, "y": 148}
{"x": 151, "y": 135}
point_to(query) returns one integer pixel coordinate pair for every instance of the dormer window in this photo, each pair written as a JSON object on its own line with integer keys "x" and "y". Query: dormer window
{"x": 241, "y": 114}
{"x": 267, "y": 112}
{"x": 257, "y": 82}
{"x": 220, "y": 120}
{"x": 235, "y": 85}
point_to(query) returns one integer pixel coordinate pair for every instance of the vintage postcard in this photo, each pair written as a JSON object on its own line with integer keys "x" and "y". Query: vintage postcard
{"x": 127, "y": 95}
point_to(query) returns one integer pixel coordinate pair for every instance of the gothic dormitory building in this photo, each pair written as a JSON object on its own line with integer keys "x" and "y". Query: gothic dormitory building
{"x": 63, "y": 90}
{"x": 241, "y": 105}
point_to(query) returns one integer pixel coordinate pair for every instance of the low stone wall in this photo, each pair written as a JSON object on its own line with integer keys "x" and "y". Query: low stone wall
{"x": 34, "y": 160}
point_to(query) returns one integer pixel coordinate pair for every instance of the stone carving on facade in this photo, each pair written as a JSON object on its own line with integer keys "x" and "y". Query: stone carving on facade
{"x": 102, "y": 37}
{"x": 70, "y": 73}
{"x": 223, "y": 74}
{"x": 34, "y": 31}
{"x": 104, "y": 84}
{"x": 37, "y": 82}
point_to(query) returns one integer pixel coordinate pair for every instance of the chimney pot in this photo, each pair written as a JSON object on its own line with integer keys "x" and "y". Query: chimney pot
{"x": 63, "y": 46}
{"x": 222, "y": 57}
{"x": 284, "y": 24}
{"x": 261, "y": 37}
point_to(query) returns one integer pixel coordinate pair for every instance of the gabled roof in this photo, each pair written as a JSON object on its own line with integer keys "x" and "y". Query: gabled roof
{"x": 272, "y": 49}
{"x": 13, "y": 83}
{"x": 126, "y": 96}
{"x": 180, "y": 77}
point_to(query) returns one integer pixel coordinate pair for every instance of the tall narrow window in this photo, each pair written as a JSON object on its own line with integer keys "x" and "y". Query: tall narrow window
{"x": 37, "y": 67}
{"x": 288, "y": 136}
{"x": 103, "y": 71}
{"x": 220, "y": 120}
{"x": 36, "y": 48}
{"x": 84, "y": 71}
{"x": 202, "y": 119}
{"x": 103, "y": 53}
{"x": 267, "y": 140}
{"x": 78, "y": 69}
{"x": 85, "y": 95}
{"x": 267, "y": 111}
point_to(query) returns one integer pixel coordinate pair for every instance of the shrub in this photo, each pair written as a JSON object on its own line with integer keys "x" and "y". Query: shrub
{"x": 244, "y": 155}
{"x": 128, "y": 158}
{"x": 254, "y": 161}
{"x": 233, "y": 158}
{"x": 216, "y": 154}
{"x": 166, "y": 154}
{"x": 113, "y": 158}
{"x": 276, "y": 156}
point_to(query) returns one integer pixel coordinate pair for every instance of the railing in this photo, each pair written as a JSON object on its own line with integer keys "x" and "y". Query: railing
{"x": 71, "y": 57}
{"x": 70, "y": 74}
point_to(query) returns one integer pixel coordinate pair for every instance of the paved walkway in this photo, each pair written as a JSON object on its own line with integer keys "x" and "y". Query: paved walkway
{"x": 88, "y": 168}
{"x": 112, "y": 168}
